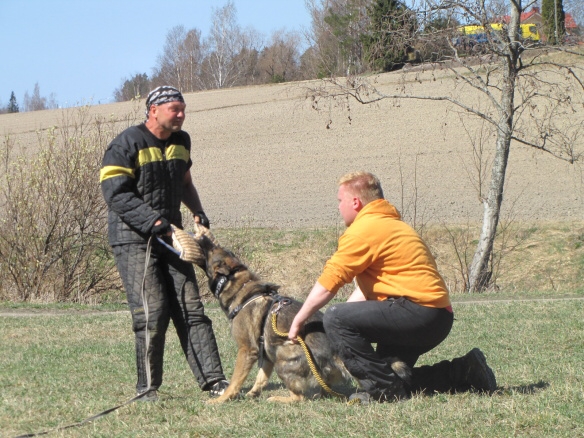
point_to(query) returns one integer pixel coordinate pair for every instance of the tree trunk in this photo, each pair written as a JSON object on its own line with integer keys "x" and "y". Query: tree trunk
{"x": 480, "y": 270}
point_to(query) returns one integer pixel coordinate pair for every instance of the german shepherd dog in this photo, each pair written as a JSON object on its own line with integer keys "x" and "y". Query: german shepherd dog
{"x": 249, "y": 304}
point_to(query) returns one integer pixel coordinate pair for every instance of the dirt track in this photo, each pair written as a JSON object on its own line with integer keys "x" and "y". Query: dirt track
{"x": 263, "y": 157}
{"x": 26, "y": 313}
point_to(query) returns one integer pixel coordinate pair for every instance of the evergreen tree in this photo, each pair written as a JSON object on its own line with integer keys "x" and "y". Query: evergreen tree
{"x": 554, "y": 20}
{"x": 348, "y": 21}
{"x": 12, "y": 105}
{"x": 135, "y": 87}
{"x": 392, "y": 26}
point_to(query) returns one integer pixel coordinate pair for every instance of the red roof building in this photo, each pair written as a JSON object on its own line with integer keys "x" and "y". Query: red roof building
{"x": 534, "y": 17}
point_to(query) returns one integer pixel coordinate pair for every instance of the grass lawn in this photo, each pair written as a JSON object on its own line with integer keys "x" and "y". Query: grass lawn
{"x": 61, "y": 366}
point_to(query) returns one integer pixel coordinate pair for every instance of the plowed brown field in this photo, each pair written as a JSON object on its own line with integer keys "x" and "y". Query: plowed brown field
{"x": 263, "y": 157}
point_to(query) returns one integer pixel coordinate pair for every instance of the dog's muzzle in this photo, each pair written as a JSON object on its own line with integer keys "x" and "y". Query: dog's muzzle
{"x": 218, "y": 285}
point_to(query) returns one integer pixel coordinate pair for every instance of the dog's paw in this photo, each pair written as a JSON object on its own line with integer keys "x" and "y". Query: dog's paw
{"x": 216, "y": 401}
{"x": 224, "y": 398}
{"x": 293, "y": 398}
{"x": 253, "y": 394}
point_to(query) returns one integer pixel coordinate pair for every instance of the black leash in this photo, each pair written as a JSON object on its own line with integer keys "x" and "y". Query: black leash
{"x": 147, "y": 364}
{"x": 87, "y": 420}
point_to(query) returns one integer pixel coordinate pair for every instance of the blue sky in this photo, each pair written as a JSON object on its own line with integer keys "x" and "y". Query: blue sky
{"x": 81, "y": 50}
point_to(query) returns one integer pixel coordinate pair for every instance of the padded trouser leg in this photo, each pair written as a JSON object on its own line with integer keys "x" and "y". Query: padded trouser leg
{"x": 194, "y": 328}
{"x": 154, "y": 359}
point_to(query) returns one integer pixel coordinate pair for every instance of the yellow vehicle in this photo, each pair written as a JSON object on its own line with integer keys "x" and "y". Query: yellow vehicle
{"x": 477, "y": 32}
{"x": 471, "y": 30}
{"x": 470, "y": 36}
{"x": 530, "y": 32}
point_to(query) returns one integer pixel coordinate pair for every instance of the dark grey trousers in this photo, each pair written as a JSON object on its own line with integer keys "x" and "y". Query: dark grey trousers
{"x": 172, "y": 293}
{"x": 401, "y": 329}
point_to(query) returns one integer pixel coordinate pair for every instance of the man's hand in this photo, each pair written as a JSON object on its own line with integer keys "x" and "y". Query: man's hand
{"x": 293, "y": 332}
{"x": 201, "y": 218}
{"x": 317, "y": 298}
{"x": 161, "y": 228}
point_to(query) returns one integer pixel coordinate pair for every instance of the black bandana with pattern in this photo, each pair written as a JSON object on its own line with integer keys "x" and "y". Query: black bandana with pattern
{"x": 163, "y": 94}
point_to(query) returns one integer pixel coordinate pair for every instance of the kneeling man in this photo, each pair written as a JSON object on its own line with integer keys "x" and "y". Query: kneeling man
{"x": 400, "y": 302}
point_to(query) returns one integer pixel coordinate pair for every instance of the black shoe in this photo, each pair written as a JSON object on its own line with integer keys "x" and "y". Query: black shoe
{"x": 218, "y": 388}
{"x": 148, "y": 396}
{"x": 478, "y": 374}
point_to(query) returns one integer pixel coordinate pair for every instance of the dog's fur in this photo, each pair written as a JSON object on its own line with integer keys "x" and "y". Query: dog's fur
{"x": 251, "y": 322}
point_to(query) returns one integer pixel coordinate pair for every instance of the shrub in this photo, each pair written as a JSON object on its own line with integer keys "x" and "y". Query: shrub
{"x": 53, "y": 220}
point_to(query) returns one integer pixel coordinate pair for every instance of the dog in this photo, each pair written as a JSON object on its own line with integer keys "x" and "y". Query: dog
{"x": 250, "y": 305}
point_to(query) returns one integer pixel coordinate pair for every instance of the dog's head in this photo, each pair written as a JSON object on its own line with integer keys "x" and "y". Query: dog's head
{"x": 219, "y": 262}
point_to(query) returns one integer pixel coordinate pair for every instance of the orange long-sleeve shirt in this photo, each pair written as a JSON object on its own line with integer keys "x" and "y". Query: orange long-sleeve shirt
{"x": 388, "y": 259}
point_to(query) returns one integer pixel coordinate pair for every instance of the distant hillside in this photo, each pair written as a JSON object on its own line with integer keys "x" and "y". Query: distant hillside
{"x": 263, "y": 157}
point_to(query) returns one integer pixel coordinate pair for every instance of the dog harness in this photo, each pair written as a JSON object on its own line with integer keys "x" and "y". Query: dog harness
{"x": 268, "y": 291}
{"x": 239, "y": 308}
{"x": 221, "y": 281}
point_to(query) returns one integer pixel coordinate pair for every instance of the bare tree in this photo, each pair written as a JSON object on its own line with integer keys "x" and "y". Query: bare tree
{"x": 530, "y": 96}
{"x": 318, "y": 59}
{"x": 247, "y": 60}
{"x": 169, "y": 69}
{"x": 192, "y": 60}
{"x": 279, "y": 61}
{"x": 222, "y": 67}
{"x": 180, "y": 62}
{"x": 576, "y": 9}
{"x": 36, "y": 102}
{"x": 335, "y": 37}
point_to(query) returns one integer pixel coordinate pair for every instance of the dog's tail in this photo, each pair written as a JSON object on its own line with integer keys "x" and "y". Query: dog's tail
{"x": 346, "y": 375}
{"x": 402, "y": 370}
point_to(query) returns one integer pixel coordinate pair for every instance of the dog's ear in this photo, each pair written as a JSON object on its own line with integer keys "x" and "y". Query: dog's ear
{"x": 222, "y": 269}
{"x": 219, "y": 265}
{"x": 272, "y": 287}
{"x": 229, "y": 258}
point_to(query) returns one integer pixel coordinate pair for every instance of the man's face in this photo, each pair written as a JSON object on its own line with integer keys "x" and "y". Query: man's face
{"x": 170, "y": 116}
{"x": 349, "y": 205}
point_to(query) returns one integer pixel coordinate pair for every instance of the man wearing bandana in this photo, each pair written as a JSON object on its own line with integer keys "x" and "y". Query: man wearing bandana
{"x": 145, "y": 176}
